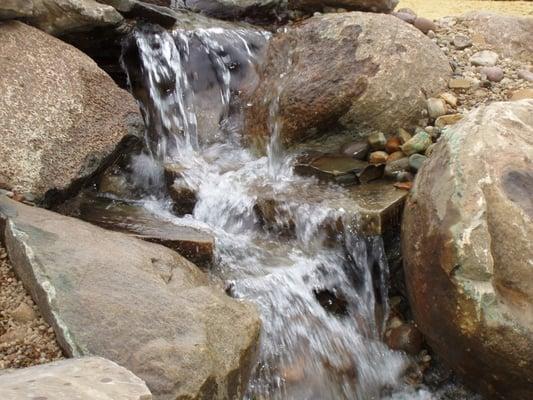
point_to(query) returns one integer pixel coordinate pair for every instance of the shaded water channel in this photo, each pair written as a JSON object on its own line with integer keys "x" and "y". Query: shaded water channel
{"x": 320, "y": 287}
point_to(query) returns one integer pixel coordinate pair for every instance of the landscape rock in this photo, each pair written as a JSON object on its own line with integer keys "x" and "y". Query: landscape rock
{"x": 377, "y": 141}
{"x": 406, "y": 17}
{"x": 508, "y": 35}
{"x": 377, "y": 6}
{"x": 378, "y": 157}
{"x": 436, "y": 107}
{"x": 354, "y": 71}
{"x": 143, "y": 10}
{"x": 417, "y": 144}
{"x": 10, "y": 9}
{"x": 446, "y": 120}
{"x": 521, "y": 94}
{"x": 425, "y": 25}
{"x": 136, "y": 303}
{"x": 461, "y": 42}
{"x": 459, "y": 83}
{"x": 23, "y": 313}
{"x": 404, "y": 135}
{"x": 405, "y": 337}
{"x": 525, "y": 75}
{"x": 393, "y": 144}
{"x": 467, "y": 242}
{"x": 416, "y": 161}
{"x": 358, "y": 149}
{"x": 484, "y": 58}
{"x": 87, "y": 378}
{"x": 62, "y": 116}
{"x": 494, "y": 74}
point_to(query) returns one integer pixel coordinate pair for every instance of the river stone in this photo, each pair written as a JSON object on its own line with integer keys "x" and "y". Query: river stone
{"x": 461, "y": 42}
{"x": 58, "y": 17}
{"x": 377, "y": 141}
{"x": 467, "y": 243}
{"x": 525, "y": 75}
{"x": 378, "y": 6}
{"x": 137, "y": 303}
{"x": 406, "y": 17}
{"x": 358, "y": 149}
{"x": 378, "y": 157}
{"x": 494, "y": 74}
{"x": 393, "y": 144}
{"x": 417, "y": 144}
{"x": 86, "y": 378}
{"x": 446, "y": 120}
{"x": 459, "y": 83}
{"x": 484, "y": 58}
{"x": 508, "y": 35}
{"x": 148, "y": 11}
{"x": 416, "y": 161}
{"x": 521, "y": 94}
{"x": 436, "y": 107}
{"x": 62, "y": 116}
{"x": 16, "y": 9}
{"x": 355, "y": 71}
{"x": 425, "y": 25}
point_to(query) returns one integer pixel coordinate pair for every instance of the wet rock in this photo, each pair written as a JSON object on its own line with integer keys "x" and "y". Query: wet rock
{"x": 64, "y": 116}
{"x": 340, "y": 169}
{"x": 358, "y": 150}
{"x": 145, "y": 11}
{"x": 137, "y": 303}
{"x": 394, "y": 167}
{"x": 404, "y": 135}
{"x": 461, "y": 42}
{"x": 525, "y": 75}
{"x": 416, "y": 161}
{"x": 405, "y": 185}
{"x": 332, "y": 300}
{"x": 446, "y": 120}
{"x": 484, "y": 58}
{"x": 494, "y": 74}
{"x": 473, "y": 303}
{"x": 508, "y": 35}
{"x": 87, "y": 378}
{"x": 521, "y": 94}
{"x": 436, "y": 107}
{"x": 405, "y": 337}
{"x": 417, "y": 144}
{"x": 10, "y": 9}
{"x": 378, "y": 157}
{"x": 393, "y": 144}
{"x": 184, "y": 198}
{"x": 458, "y": 83}
{"x": 377, "y": 141}
{"x": 379, "y": 79}
{"x": 425, "y": 25}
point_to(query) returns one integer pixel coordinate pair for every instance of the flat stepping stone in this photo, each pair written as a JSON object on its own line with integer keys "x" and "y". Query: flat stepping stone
{"x": 87, "y": 378}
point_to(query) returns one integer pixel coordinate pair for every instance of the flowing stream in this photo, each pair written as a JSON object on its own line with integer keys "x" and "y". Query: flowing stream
{"x": 321, "y": 289}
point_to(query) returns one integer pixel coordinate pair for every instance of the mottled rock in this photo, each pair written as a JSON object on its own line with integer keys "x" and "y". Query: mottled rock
{"x": 394, "y": 167}
{"x": 405, "y": 337}
{"x": 86, "y": 378}
{"x": 393, "y": 144}
{"x": 484, "y": 58}
{"x": 417, "y": 144}
{"x": 62, "y": 116}
{"x": 461, "y": 42}
{"x": 467, "y": 242}
{"x": 137, "y": 303}
{"x": 493, "y": 74}
{"x": 404, "y": 135}
{"x": 377, "y": 141}
{"x": 378, "y": 157}
{"x": 425, "y": 25}
{"x": 145, "y": 11}
{"x": 436, "y": 107}
{"x": 416, "y": 161}
{"x": 446, "y": 120}
{"x": 358, "y": 71}
{"x": 379, "y": 6}
{"x": 509, "y": 35}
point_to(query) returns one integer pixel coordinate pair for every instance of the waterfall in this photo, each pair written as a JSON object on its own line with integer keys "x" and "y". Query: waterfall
{"x": 321, "y": 289}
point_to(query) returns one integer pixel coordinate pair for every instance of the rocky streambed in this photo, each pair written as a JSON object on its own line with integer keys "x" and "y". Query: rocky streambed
{"x": 298, "y": 200}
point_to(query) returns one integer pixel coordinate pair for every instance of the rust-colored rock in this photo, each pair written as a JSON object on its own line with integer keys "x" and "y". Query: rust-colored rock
{"x": 467, "y": 242}
{"x": 393, "y": 144}
{"x": 358, "y": 71}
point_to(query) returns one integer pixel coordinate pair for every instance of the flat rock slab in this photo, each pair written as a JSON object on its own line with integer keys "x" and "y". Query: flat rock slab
{"x": 137, "y": 303}
{"x": 195, "y": 245}
{"x": 87, "y": 378}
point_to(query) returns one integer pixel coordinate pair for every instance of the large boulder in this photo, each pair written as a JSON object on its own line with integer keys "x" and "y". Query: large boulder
{"x": 508, "y": 35}
{"x": 350, "y": 71}
{"x": 381, "y": 6}
{"x": 61, "y": 114}
{"x": 467, "y": 242}
{"x": 136, "y": 303}
{"x": 16, "y": 9}
{"x": 87, "y": 378}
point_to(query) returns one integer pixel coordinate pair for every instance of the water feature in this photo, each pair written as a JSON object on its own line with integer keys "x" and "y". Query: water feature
{"x": 321, "y": 288}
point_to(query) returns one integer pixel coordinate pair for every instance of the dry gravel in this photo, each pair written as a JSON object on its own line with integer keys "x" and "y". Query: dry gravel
{"x": 444, "y": 8}
{"x": 25, "y": 338}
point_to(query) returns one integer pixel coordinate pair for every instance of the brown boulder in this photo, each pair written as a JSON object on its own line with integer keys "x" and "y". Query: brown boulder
{"x": 467, "y": 242}
{"x": 348, "y": 71}
{"x": 61, "y": 114}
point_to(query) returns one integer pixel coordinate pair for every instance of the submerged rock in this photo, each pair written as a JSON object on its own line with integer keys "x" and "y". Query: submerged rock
{"x": 86, "y": 378}
{"x": 62, "y": 116}
{"x": 137, "y": 303}
{"x": 353, "y": 71}
{"x": 467, "y": 240}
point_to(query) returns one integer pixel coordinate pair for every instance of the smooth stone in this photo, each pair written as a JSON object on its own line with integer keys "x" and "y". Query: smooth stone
{"x": 397, "y": 155}
{"x": 525, "y": 75}
{"x": 436, "y": 107}
{"x": 393, "y": 144}
{"x": 446, "y": 120}
{"x": 405, "y": 337}
{"x": 394, "y": 167}
{"x": 459, "y": 83}
{"x": 449, "y": 98}
{"x": 404, "y": 135}
{"x": 406, "y": 17}
{"x": 416, "y": 161}
{"x": 522, "y": 94}
{"x": 418, "y": 143}
{"x": 462, "y": 42}
{"x": 484, "y": 58}
{"x": 377, "y": 141}
{"x": 494, "y": 74}
{"x": 378, "y": 157}
{"x": 406, "y": 10}
{"x": 358, "y": 150}
{"x": 425, "y": 24}
{"x": 85, "y": 378}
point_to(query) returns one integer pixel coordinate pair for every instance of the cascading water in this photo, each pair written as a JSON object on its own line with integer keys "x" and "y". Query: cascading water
{"x": 320, "y": 288}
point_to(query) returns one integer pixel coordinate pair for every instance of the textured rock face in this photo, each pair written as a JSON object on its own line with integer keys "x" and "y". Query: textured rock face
{"x": 467, "y": 241}
{"x": 16, "y": 9}
{"x": 508, "y": 35}
{"x": 360, "y": 5}
{"x": 61, "y": 114}
{"x": 136, "y": 303}
{"x": 349, "y": 71}
{"x": 87, "y": 378}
